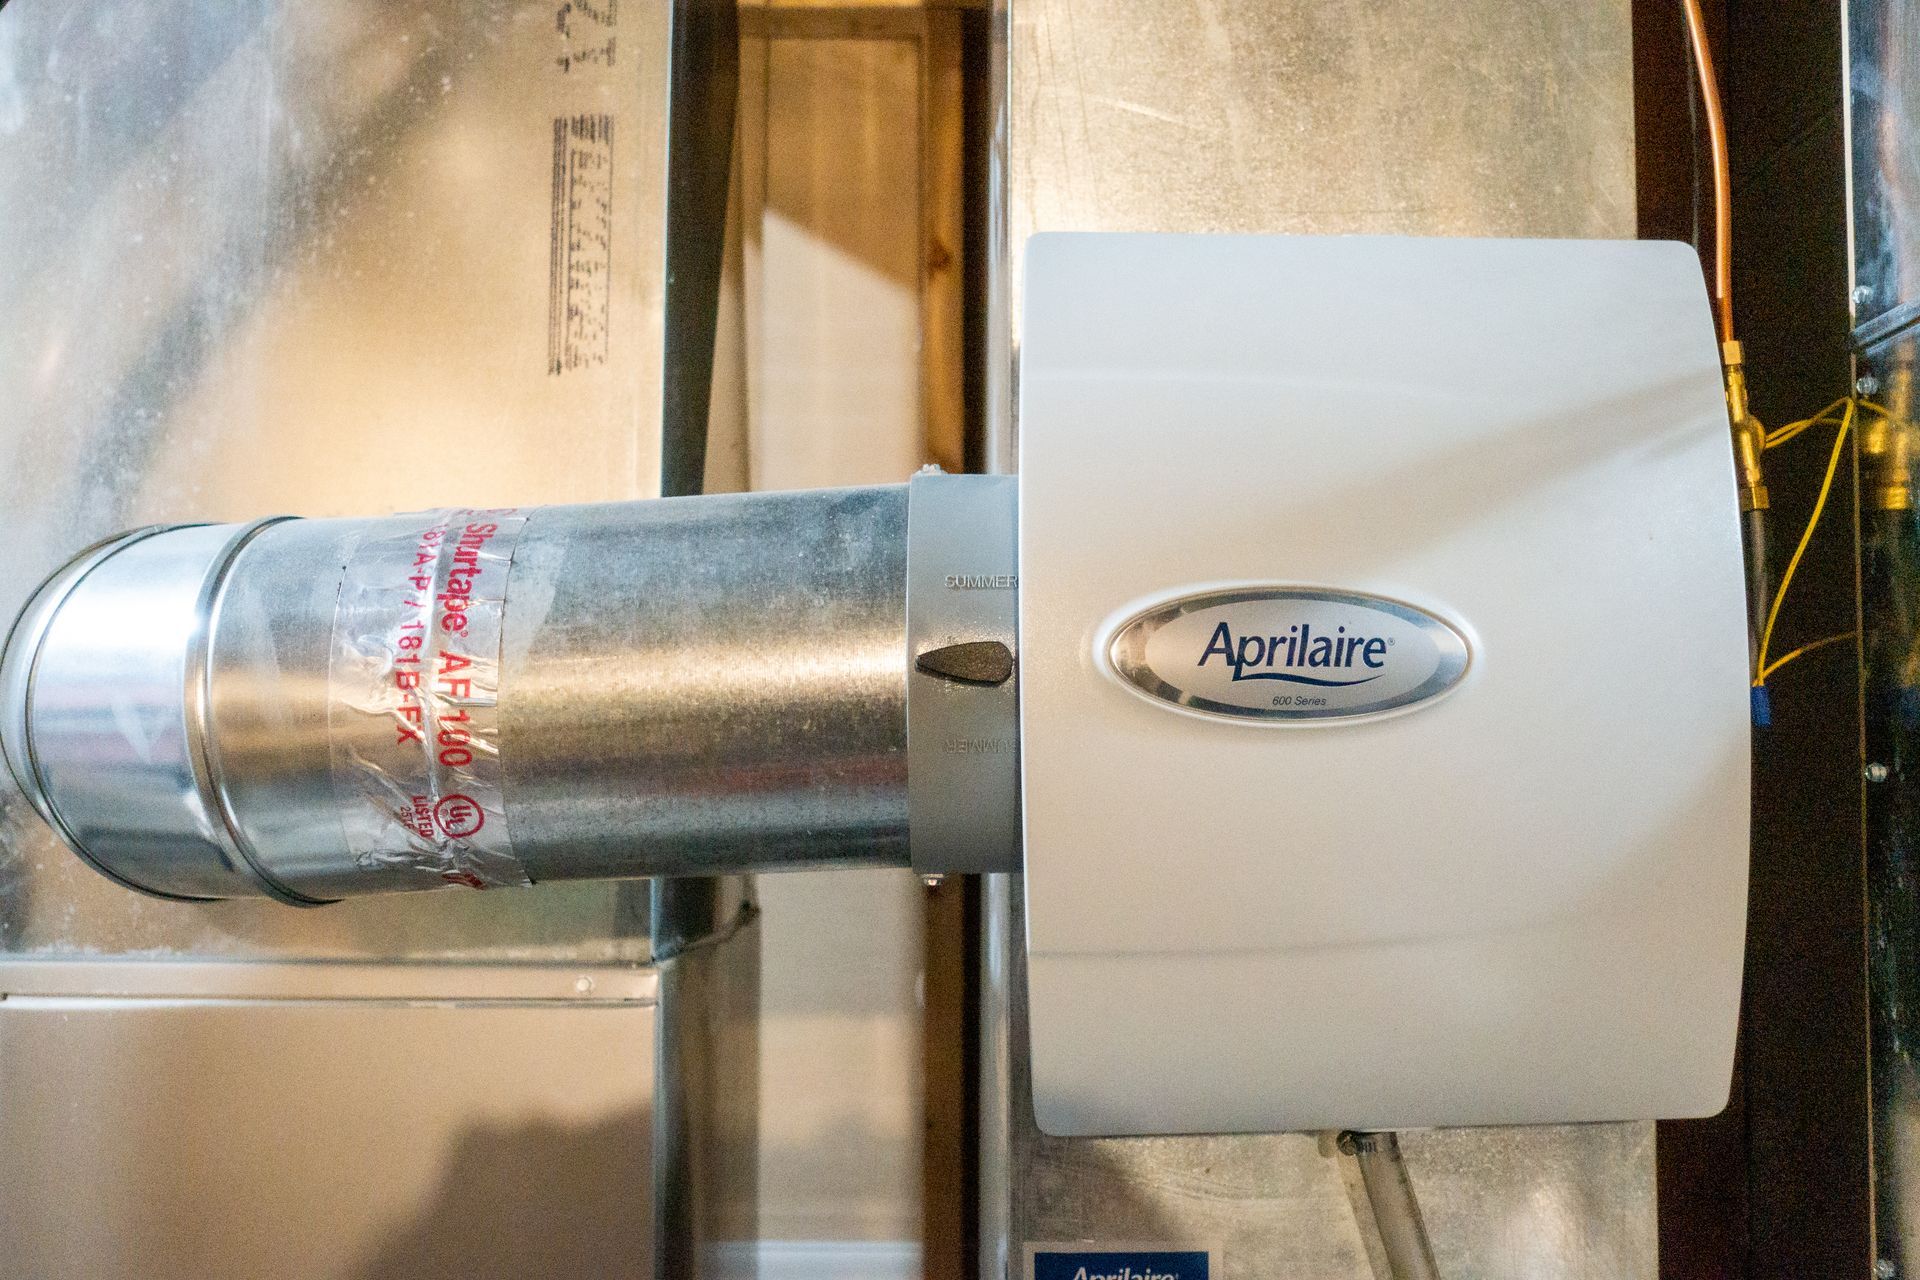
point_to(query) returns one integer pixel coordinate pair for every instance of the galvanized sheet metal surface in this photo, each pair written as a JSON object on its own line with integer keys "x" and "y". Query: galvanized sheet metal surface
{"x": 531, "y": 1159}
{"x": 328, "y": 258}
{"x": 1883, "y": 100}
{"x": 1883, "y": 75}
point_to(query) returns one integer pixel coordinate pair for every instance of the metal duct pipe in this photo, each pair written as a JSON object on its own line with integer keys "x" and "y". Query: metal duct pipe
{"x": 312, "y": 709}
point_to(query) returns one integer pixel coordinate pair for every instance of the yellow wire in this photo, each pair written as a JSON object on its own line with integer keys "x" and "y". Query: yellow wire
{"x": 1780, "y": 435}
{"x": 1786, "y": 579}
{"x": 1793, "y": 430}
{"x": 1822, "y": 643}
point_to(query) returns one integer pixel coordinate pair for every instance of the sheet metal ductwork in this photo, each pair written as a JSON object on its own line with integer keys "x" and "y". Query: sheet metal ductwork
{"x": 315, "y": 709}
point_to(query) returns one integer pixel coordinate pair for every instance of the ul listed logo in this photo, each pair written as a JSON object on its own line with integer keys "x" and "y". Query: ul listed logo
{"x": 458, "y": 816}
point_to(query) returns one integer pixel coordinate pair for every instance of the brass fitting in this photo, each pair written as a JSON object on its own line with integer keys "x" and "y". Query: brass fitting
{"x": 1886, "y": 440}
{"x": 1749, "y": 437}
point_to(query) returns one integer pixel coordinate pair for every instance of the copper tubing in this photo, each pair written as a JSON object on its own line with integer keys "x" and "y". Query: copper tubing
{"x": 1722, "y": 173}
{"x": 1887, "y": 443}
{"x": 1749, "y": 436}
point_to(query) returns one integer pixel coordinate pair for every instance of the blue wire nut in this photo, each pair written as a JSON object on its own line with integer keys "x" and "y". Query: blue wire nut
{"x": 1762, "y": 707}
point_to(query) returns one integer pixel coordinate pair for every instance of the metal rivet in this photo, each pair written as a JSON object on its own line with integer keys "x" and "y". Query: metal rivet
{"x": 583, "y": 984}
{"x": 1862, "y": 295}
{"x": 1885, "y": 1270}
{"x": 1866, "y": 384}
{"x": 1876, "y": 772}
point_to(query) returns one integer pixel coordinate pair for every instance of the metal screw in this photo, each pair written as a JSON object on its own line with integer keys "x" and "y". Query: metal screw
{"x": 1866, "y": 384}
{"x": 1862, "y": 295}
{"x": 1885, "y": 1270}
{"x": 583, "y": 984}
{"x": 1876, "y": 772}
{"x": 933, "y": 881}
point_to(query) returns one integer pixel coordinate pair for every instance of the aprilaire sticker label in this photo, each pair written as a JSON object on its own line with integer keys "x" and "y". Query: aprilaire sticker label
{"x": 1121, "y": 1262}
{"x": 1288, "y": 655}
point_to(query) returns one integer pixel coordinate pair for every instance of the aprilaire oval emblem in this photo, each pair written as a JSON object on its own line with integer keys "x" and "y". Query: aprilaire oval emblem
{"x": 1289, "y": 654}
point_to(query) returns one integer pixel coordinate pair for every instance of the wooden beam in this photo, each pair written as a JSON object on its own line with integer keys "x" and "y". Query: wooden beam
{"x": 845, "y": 19}
{"x": 848, "y": 6}
{"x": 947, "y": 1200}
{"x": 943, "y": 404}
{"x": 934, "y": 218}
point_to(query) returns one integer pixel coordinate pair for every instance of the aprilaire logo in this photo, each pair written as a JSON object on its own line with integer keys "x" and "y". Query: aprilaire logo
{"x": 1289, "y": 654}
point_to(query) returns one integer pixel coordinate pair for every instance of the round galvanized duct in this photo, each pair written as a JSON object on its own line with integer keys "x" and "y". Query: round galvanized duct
{"x": 311, "y": 709}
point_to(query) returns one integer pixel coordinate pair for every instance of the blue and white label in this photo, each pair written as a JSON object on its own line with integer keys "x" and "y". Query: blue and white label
{"x": 1289, "y": 654}
{"x": 1142, "y": 1262}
